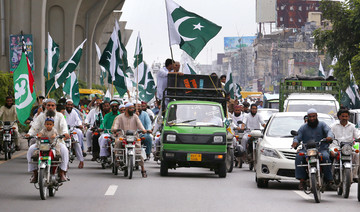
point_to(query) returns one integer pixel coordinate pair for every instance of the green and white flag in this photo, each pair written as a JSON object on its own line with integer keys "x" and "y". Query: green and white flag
{"x": 333, "y": 62}
{"x": 71, "y": 88}
{"x": 229, "y": 85}
{"x": 102, "y": 69}
{"x": 113, "y": 58}
{"x": 238, "y": 91}
{"x": 52, "y": 58}
{"x": 189, "y": 30}
{"x": 70, "y": 65}
{"x": 351, "y": 97}
{"x": 108, "y": 96}
{"x": 188, "y": 70}
{"x": 147, "y": 92}
{"x": 25, "y": 95}
{"x": 139, "y": 65}
{"x": 321, "y": 71}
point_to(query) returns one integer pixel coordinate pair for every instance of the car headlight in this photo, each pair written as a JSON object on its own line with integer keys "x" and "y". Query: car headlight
{"x": 269, "y": 153}
{"x": 346, "y": 150}
{"x": 218, "y": 139}
{"x": 171, "y": 137}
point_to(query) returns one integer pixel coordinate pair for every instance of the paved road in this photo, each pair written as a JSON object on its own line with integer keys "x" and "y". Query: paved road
{"x": 95, "y": 189}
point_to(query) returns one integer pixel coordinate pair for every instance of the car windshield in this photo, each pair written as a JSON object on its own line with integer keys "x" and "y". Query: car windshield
{"x": 282, "y": 126}
{"x": 195, "y": 115}
{"x": 327, "y": 107}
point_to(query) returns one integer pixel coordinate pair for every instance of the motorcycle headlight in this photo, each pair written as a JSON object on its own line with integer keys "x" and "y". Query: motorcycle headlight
{"x": 269, "y": 153}
{"x": 311, "y": 152}
{"x": 130, "y": 139}
{"x": 218, "y": 139}
{"x": 44, "y": 147}
{"x": 346, "y": 150}
{"x": 171, "y": 137}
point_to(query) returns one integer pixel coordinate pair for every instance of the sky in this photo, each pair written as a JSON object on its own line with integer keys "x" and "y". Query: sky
{"x": 237, "y": 18}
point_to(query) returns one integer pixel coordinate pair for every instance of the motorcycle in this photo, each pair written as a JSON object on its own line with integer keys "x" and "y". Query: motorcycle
{"x": 7, "y": 146}
{"x": 343, "y": 167}
{"x": 127, "y": 157}
{"x": 69, "y": 143}
{"x": 157, "y": 147}
{"x": 48, "y": 166}
{"x": 315, "y": 183}
{"x": 250, "y": 151}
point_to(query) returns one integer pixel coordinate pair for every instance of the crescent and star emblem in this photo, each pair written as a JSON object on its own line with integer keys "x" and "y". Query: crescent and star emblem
{"x": 177, "y": 25}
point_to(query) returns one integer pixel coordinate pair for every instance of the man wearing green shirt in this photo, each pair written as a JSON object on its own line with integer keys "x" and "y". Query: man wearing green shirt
{"x": 106, "y": 126}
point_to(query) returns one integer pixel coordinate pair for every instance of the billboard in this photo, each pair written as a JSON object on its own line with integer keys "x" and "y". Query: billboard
{"x": 16, "y": 50}
{"x": 233, "y": 44}
{"x": 265, "y": 11}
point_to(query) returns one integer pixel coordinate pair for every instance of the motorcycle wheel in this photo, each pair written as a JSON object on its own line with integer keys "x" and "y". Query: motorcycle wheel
{"x": 6, "y": 149}
{"x": 42, "y": 182}
{"x": 131, "y": 166}
{"x": 240, "y": 162}
{"x": 314, "y": 188}
{"x": 222, "y": 170}
{"x": 358, "y": 191}
{"x": 339, "y": 190}
{"x": 251, "y": 166}
{"x": 115, "y": 166}
{"x": 346, "y": 183}
{"x": 52, "y": 191}
{"x": 230, "y": 160}
{"x": 163, "y": 168}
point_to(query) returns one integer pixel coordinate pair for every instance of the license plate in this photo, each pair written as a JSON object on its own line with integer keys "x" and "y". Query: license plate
{"x": 193, "y": 157}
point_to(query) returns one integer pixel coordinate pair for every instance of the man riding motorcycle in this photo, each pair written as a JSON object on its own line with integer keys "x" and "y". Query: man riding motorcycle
{"x": 345, "y": 131}
{"x": 73, "y": 120}
{"x": 90, "y": 121}
{"x": 252, "y": 121}
{"x": 313, "y": 130}
{"x": 146, "y": 122}
{"x": 8, "y": 113}
{"x": 61, "y": 127}
{"x": 129, "y": 121}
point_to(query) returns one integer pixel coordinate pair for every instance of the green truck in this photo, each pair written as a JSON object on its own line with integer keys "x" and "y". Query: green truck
{"x": 298, "y": 94}
{"x": 194, "y": 132}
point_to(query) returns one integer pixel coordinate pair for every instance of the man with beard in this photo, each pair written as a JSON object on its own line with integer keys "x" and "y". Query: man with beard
{"x": 246, "y": 107}
{"x": 313, "y": 130}
{"x": 129, "y": 121}
{"x": 73, "y": 121}
{"x": 146, "y": 122}
{"x": 61, "y": 127}
{"x": 145, "y": 108}
{"x": 237, "y": 117}
{"x": 89, "y": 121}
{"x": 8, "y": 113}
{"x": 99, "y": 118}
{"x": 252, "y": 121}
{"x": 106, "y": 127}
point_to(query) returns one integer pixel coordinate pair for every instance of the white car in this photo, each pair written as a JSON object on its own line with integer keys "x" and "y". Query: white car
{"x": 275, "y": 157}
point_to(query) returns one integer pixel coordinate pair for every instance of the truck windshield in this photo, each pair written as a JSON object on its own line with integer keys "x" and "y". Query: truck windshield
{"x": 328, "y": 107}
{"x": 195, "y": 115}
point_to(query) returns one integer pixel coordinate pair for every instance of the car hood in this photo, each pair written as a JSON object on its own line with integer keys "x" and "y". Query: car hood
{"x": 278, "y": 143}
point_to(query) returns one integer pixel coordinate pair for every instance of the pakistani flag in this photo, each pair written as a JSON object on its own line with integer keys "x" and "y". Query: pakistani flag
{"x": 71, "y": 88}
{"x": 188, "y": 70}
{"x": 108, "y": 96}
{"x": 238, "y": 91}
{"x": 24, "y": 89}
{"x": 147, "y": 91}
{"x": 229, "y": 86}
{"x": 351, "y": 98}
{"x": 188, "y": 29}
{"x": 321, "y": 71}
{"x": 333, "y": 62}
{"x": 139, "y": 64}
{"x": 113, "y": 59}
{"x": 64, "y": 73}
{"x": 52, "y": 58}
{"x": 102, "y": 69}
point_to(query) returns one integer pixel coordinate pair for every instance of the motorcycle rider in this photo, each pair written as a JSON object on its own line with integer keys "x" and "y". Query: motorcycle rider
{"x": 8, "y": 113}
{"x": 345, "y": 131}
{"x": 106, "y": 126}
{"x": 313, "y": 130}
{"x": 61, "y": 127}
{"x": 252, "y": 121}
{"x": 99, "y": 118}
{"x": 90, "y": 120}
{"x": 129, "y": 121}
{"x": 73, "y": 120}
{"x": 146, "y": 122}
{"x": 237, "y": 117}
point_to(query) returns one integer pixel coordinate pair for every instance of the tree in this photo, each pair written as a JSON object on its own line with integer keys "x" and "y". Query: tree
{"x": 343, "y": 39}
{"x": 311, "y": 72}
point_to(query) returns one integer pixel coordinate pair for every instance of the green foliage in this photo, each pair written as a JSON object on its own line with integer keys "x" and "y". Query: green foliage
{"x": 311, "y": 72}
{"x": 82, "y": 84}
{"x": 6, "y": 86}
{"x": 343, "y": 40}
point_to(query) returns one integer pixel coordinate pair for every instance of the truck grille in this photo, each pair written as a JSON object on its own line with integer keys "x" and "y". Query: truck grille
{"x": 289, "y": 155}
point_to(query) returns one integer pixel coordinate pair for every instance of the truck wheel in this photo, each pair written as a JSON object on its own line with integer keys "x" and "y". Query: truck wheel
{"x": 163, "y": 168}
{"x": 230, "y": 160}
{"x": 262, "y": 183}
{"x": 222, "y": 170}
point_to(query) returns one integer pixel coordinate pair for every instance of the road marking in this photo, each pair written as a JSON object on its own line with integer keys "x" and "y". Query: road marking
{"x": 303, "y": 195}
{"x": 14, "y": 156}
{"x": 111, "y": 190}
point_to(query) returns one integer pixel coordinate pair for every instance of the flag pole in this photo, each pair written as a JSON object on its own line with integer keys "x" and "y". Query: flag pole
{"x": 137, "y": 79}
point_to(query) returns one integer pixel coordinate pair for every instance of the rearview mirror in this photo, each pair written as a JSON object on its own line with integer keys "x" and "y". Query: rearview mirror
{"x": 256, "y": 133}
{"x": 294, "y": 132}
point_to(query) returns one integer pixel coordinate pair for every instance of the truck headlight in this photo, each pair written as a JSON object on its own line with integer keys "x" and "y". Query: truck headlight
{"x": 269, "y": 153}
{"x": 171, "y": 137}
{"x": 218, "y": 139}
